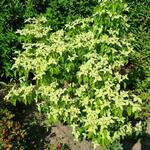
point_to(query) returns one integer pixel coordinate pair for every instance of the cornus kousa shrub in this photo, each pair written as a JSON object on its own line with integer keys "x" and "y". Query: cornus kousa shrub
{"x": 74, "y": 74}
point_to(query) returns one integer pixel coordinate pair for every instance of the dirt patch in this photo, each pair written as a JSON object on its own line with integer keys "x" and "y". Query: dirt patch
{"x": 62, "y": 134}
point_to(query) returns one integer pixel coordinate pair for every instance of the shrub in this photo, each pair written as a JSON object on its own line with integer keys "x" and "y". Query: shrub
{"x": 10, "y": 19}
{"x": 12, "y": 16}
{"x": 61, "y": 12}
{"x": 74, "y": 76}
{"x": 139, "y": 76}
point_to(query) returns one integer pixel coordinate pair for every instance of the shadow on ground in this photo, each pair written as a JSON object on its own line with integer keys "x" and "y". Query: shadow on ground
{"x": 33, "y": 124}
{"x": 144, "y": 144}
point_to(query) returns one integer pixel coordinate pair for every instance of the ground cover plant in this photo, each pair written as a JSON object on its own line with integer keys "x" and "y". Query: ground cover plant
{"x": 11, "y": 133}
{"x": 74, "y": 74}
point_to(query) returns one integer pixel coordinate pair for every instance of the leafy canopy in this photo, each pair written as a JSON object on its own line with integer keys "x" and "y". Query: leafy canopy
{"x": 74, "y": 76}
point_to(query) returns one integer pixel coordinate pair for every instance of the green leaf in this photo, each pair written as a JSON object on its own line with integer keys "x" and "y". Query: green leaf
{"x": 129, "y": 110}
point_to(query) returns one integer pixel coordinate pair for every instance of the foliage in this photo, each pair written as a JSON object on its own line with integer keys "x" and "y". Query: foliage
{"x": 11, "y": 134}
{"x": 139, "y": 76}
{"x": 12, "y": 16}
{"x": 63, "y": 11}
{"x": 116, "y": 146}
{"x": 74, "y": 76}
{"x": 10, "y": 19}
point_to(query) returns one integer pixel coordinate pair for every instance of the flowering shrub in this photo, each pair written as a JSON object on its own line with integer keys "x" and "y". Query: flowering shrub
{"x": 74, "y": 76}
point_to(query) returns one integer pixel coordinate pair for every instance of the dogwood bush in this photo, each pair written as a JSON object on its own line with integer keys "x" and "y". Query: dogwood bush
{"x": 74, "y": 74}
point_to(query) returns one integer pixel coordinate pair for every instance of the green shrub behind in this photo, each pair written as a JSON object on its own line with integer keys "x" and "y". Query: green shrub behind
{"x": 139, "y": 76}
